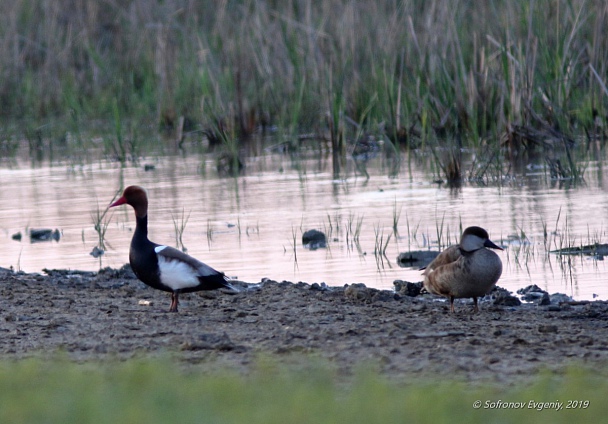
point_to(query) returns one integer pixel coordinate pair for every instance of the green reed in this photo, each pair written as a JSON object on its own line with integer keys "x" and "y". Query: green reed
{"x": 353, "y": 227}
{"x": 179, "y": 225}
{"x": 396, "y": 218}
{"x": 426, "y": 71}
{"x": 100, "y": 224}
{"x": 380, "y": 246}
{"x": 294, "y": 247}
{"x": 209, "y": 233}
{"x": 412, "y": 232}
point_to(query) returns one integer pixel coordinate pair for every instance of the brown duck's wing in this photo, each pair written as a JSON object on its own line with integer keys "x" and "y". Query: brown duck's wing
{"x": 448, "y": 256}
{"x": 444, "y": 279}
{"x": 439, "y": 277}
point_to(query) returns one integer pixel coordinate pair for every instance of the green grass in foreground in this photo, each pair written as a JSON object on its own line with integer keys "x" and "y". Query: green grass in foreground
{"x": 35, "y": 391}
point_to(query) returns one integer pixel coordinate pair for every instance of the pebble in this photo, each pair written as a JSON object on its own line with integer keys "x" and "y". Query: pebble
{"x": 547, "y": 328}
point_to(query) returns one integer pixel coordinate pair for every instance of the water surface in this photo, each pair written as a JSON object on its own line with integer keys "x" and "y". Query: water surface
{"x": 250, "y": 226}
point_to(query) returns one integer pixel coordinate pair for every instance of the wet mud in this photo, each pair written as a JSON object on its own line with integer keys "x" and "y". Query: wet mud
{"x": 111, "y": 315}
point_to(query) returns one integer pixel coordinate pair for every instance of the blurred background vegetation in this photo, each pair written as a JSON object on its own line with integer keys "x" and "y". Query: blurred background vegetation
{"x": 508, "y": 80}
{"x": 515, "y": 72}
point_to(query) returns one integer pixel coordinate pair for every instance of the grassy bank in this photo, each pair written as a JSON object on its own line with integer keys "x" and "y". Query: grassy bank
{"x": 158, "y": 391}
{"x": 417, "y": 69}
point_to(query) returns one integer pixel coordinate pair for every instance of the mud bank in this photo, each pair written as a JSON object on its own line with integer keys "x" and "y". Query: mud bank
{"x": 111, "y": 315}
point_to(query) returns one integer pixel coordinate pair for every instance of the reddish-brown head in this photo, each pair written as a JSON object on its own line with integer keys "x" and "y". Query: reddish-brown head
{"x": 135, "y": 196}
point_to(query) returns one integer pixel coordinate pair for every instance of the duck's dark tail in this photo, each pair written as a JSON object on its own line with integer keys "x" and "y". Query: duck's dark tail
{"x": 229, "y": 288}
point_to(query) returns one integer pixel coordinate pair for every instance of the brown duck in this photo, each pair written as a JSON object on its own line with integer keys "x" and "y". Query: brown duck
{"x": 467, "y": 269}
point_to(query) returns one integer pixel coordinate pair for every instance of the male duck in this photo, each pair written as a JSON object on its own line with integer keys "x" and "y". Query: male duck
{"x": 465, "y": 270}
{"x": 164, "y": 267}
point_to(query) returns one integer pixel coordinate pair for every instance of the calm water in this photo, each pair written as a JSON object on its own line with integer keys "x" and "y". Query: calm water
{"x": 246, "y": 226}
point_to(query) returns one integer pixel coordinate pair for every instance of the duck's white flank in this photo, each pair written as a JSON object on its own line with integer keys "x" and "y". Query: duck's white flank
{"x": 175, "y": 273}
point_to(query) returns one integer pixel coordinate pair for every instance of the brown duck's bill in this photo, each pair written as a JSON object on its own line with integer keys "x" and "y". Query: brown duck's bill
{"x": 119, "y": 202}
{"x": 488, "y": 243}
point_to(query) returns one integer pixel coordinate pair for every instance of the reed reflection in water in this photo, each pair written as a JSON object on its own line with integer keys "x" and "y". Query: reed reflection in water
{"x": 250, "y": 226}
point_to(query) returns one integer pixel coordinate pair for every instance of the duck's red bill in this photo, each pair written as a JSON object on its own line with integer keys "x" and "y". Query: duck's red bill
{"x": 119, "y": 202}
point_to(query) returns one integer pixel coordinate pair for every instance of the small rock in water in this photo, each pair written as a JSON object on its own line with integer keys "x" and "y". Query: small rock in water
{"x": 535, "y": 294}
{"x": 531, "y": 289}
{"x": 44, "y": 234}
{"x": 418, "y": 258}
{"x": 314, "y": 239}
{"x": 96, "y": 252}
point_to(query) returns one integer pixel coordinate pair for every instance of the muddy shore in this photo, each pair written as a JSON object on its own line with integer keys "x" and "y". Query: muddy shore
{"x": 110, "y": 314}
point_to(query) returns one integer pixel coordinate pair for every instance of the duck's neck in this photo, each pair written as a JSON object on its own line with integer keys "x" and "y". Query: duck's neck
{"x": 141, "y": 229}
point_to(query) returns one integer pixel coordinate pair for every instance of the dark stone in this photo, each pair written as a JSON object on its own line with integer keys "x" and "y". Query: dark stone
{"x": 535, "y": 294}
{"x": 405, "y": 288}
{"x": 125, "y": 272}
{"x": 534, "y": 297}
{"x": 547, "y": 328}
{"x": 96, "y": 252}
{"x": 544, "y": 300}
{"x": 416, "y": 259}
{"x": 314, "y": 239}
{"x": 596, "y": 250}
{"x": 44, "y": 234}
{"x": 553, "y": 308}
{"x": 557, "y": 298}
{"x": 383, "y": 296}
{"x": 531, "y": 289}
{"x": 359, "y": 291}
{"x": 504, "y": 298}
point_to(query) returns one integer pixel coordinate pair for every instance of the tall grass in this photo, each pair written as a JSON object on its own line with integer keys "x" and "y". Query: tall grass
{"x": 421, "y": 68}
